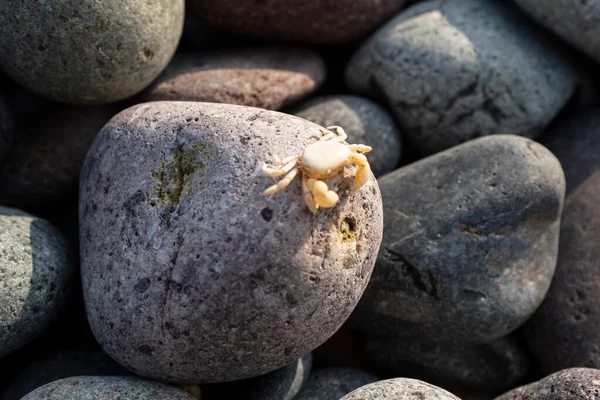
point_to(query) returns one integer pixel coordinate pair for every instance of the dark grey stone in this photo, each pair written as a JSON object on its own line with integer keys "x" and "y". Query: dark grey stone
{"x": 241, "y": 283}
{"x": 107, "y": 388}
{"x": 492, "y": 367}
{"x": 46, "y": 156}
{"x": 470, "y": 243}
{"x": 400, "y": 389}
{"x": 59, "y": 365}
{"x": 575, "y": 21}
{"x": 281, "y": 384}
{"x": 334, "y": 383}
{"x": 568, "y": 384}
{"x": 564, "y": 332}
{"x": 454, "y": 70}
{"x": 88, "y": 52}
{"x": 35, "y": 274}
{"x": 364, "y": 121}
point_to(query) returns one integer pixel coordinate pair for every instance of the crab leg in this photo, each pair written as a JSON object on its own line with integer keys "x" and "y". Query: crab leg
{"x": 360, "y": 147}
{"x": 282, "y": 184}
{"x": 278, "y": 171}
{"x": 340, "y": 134}
{"x": 363, "y": 172}
{"x": 308, "y": 196}
{"x": 322, "y": 195}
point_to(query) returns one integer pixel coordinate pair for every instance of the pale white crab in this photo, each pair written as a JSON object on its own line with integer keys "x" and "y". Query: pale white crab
{"x": 322, "y": 159}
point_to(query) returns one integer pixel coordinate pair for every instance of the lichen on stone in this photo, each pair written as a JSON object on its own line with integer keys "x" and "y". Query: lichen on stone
{"x": 348, "y": 230}
{"x": 176, "y": 170}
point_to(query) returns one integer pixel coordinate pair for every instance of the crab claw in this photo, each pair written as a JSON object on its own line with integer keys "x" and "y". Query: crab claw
{"x": 363, "y": 172}
{"x": 322, "y": 195}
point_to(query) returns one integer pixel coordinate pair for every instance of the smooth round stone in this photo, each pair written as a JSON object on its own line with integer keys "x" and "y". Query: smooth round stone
{"x": 281, "y": 384}
{"x": 190, "y": 273}
{"x": 88, "y": 52}
{"x": 470, "y": 243}
{"x": 35, "y": 273}
{"x": 576, "y": 22}
{"x": 59, "y": 365}
{"x": 48, "y": 150}
{"x": 564, "y": 333}
{"x": 334, "y": 383}
{"x": 491, "y": 367}
{"x": 305, "y": 21}
{"x": 458, "y": 69}
{"x": 107, "y": 388}
{"x": 263, "y": 77}
{"x": 400, "y": 389}
{"x": 364, "y": 121}
{"x": 568, "y": 384}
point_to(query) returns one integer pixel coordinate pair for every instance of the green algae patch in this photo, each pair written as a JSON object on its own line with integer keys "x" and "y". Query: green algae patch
{"x": 176, "y": 169}
{"x": 347, "y": 230}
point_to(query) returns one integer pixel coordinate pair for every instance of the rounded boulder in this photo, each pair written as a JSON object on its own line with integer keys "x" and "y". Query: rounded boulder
{"x": 190, "y": 273}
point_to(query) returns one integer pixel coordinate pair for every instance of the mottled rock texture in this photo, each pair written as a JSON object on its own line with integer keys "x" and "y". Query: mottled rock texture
{"x": 190, "y": 273}
{"x": 454, "y": 70}
{"x": 470, "y": 243}
{"x": 400, "y": 389}
{"x": 86, "y": 51}
{"x": 334, "y": 383}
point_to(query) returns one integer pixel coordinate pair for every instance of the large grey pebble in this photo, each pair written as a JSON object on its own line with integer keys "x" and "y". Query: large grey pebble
{"x": 400, "y": 389}
{"x": 489, "y": 368}
{"x": 190, "y": 273}
{"x": 568, "y": 384}
{"x": 269, "y": 77}
{"x": 88, "y": 52}
{"x": 575, "y": 21}
{"x": 564, "y": 332}
{"x": 454, "y": 70}
{"x": 281, "y": 384}
{"x": 470, "y": 242}
{"x": 107, "y": 388}
{"x": 364, "y": 121}
{"x": 333, "y": 383}
{"x": 48, "y": 150}
{"x": 58, "y": 365}
{"x": 35, "y": 274}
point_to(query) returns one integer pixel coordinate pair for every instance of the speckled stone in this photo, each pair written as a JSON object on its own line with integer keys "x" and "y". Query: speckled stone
{"x": 190, "y": 273}
{"x": 305, "y": 21}
{"x": 568, "y": 384}
{"x": 48, "y": 150}
{"x": 88, "y": 52}
{"x": 281, "y": 384}
{"x": 575, "y": 21}
{"x": 470, "y": 243}
{"x": 564, "y": 332}
{"x": 454, "y": 70}
{"x": 364, "y": 121}
{"x": 334, "y": 383}
{"x": 107, "y": 388}
{"x": 491, "y": 367}
{"x": 58, "y": 365}
{"x": 35, "y": 273}
{"x": 264, "y": 77}
{"x": 400, "y": 389}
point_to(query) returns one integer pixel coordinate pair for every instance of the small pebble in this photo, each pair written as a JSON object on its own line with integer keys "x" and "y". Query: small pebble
{"x": 400, "y": 389}
{"x": 107, "y": 388}
{"x": 334, "y": 383}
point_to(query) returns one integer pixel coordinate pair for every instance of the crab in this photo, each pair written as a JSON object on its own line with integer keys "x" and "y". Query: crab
{"x": 323, "y": 159}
